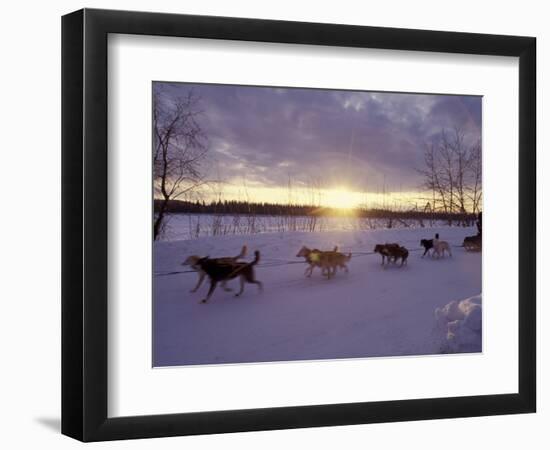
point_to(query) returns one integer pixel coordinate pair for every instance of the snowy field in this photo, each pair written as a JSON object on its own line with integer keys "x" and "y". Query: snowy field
{"x": 371, "y": 311}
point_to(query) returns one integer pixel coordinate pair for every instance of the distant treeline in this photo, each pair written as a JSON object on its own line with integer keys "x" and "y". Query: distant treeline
{"x": 232, "y": 207}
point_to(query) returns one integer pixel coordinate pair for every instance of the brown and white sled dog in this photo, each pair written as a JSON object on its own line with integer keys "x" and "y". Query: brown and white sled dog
{"x": 440, "y": 247}
{"x": 193, "y": 259}
{"x": 220, "y": 272}
{"x": 337, "y": 260}
{"x": 314, "y": 258}
{"x": 329, "y": 261}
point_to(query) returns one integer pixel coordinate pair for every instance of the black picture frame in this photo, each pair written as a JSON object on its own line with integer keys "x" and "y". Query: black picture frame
{"x": 84, "y": 224}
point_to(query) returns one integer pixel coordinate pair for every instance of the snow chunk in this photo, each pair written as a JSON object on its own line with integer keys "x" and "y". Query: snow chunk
{"x": 460, "y": 320}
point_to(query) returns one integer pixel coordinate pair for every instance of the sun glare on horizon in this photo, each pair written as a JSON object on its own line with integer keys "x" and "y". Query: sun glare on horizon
{"x": 336, "y": 197}
{"x": 341, "y": 198}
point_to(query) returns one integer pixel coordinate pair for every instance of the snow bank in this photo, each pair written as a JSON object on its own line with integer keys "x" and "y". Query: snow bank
{"x": 460, "y": 320}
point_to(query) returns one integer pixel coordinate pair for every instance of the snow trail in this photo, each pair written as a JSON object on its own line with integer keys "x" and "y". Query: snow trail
{"x": 371, "y": 311}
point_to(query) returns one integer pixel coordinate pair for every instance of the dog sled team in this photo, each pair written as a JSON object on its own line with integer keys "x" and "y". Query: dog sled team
{"x": 222, "y": 270}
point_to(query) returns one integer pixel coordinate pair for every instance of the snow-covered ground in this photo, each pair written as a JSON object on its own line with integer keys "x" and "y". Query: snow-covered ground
{"x": 371, "y": 311}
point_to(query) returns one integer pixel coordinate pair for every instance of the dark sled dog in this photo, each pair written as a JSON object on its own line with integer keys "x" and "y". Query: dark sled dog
{"x": 220, "y": 272}
{"x": 392, "y": 252}
{"x": 192, "y": 261}
{"x": 428, "y": 244}
{"x": 472, "y": 243}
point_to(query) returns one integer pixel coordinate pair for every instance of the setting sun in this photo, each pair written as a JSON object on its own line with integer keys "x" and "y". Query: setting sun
{"x": 341, "y": 198}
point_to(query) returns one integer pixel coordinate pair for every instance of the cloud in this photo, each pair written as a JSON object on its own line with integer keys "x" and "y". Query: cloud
{"x": 351, "y": 138}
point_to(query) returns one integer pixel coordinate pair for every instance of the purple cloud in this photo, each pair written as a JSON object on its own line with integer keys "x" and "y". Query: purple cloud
{"x": 357, "y": 138}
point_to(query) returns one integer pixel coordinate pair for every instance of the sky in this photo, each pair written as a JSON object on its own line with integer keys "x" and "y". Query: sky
{"x": 329, "y": 147}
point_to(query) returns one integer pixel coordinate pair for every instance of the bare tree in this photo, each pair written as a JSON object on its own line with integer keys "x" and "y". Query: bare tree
{"x": 433, "y": 178}
{"x": 314, "y": 191}
{"x": 179, "y": 147}
{"x": 452, "y": 173}
{"x": 460, "y": 159}
{"x": 474, "y": 192}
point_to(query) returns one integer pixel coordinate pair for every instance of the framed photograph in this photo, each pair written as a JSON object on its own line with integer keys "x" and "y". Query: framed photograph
{"x": 273, "y": 224}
